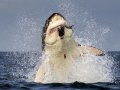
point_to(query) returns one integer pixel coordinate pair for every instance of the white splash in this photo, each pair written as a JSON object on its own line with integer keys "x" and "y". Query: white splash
{"x": 27, "y": 37}
{"x": 88, "y": 69}
{"x": 87, "y": 31}
{"x": 92, "y": 69}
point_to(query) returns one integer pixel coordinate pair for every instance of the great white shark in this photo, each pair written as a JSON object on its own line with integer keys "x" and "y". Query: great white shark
{"x": 60, "y": 50}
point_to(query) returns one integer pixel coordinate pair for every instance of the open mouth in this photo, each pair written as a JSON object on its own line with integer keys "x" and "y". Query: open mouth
{"x": 57, "y": 30}
{"x": 60, "y": 29}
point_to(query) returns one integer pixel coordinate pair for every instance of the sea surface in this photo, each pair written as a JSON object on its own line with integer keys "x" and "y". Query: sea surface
{"x": 17, "y": 72}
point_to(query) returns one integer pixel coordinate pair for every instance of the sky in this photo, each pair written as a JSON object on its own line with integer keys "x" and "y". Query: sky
{"x": 21, "y": 22}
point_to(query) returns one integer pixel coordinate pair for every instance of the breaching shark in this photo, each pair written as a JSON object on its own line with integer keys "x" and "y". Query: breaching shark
{"x": 60, "y": 50}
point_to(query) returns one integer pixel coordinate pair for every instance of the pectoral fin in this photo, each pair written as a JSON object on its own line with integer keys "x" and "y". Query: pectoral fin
{"x": 84, "y": 49}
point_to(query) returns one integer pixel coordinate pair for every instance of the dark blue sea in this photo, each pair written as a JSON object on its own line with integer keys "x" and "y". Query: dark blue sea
{"x": 17, "y": 71}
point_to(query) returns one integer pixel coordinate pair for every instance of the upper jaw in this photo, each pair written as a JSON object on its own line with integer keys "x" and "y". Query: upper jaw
{"x": 57, "y": 27}
{"x": 56, "y": 23}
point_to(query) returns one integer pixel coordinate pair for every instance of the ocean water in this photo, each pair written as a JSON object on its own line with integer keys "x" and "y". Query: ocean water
{"x": 17, "y": 72}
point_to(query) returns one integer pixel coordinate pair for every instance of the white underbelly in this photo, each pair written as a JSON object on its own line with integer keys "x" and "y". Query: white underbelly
{"x": 58, "y": 70}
